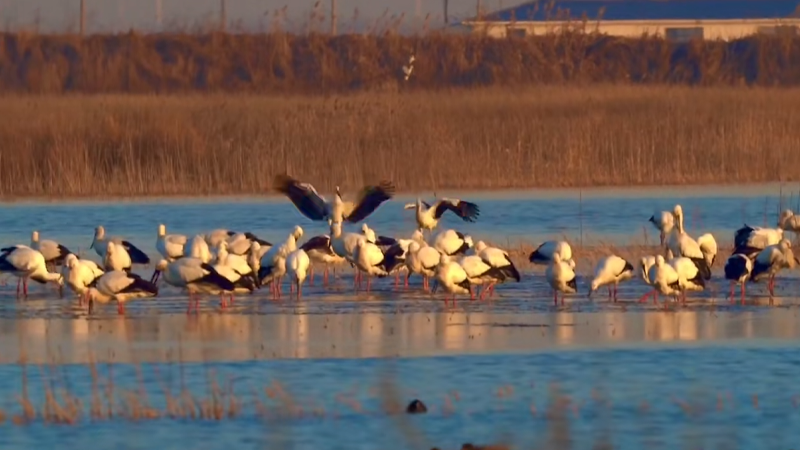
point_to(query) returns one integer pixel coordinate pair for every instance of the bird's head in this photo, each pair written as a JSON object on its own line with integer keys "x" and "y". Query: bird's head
{"x": 480, "y": 246}
{"x": 162, "y": 230}
{"x": 297, "y": 232}
{"x": 35, "y": 236}
{"x": 160, "y": 267}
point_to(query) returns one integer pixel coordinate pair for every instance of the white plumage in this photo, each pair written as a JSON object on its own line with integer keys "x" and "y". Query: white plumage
{"x": 645, "y": 263}
{"x": 53, "y": 252}
{"x": 452, "y": 242}
{"x": 236, "y": 262}
{"x": 543, "y": 255}
{"x": 99, "y": 244}
{"x": 197, "y": 247}
{"x": 344, "y": 244}
{"x": 169, "y": 245}
{"x": 272, "y": 266}
{"x": 689, "y": 276}
{"x": 214, "y": 237}
{"x": 772, "y": 260}
{"x": 664, "y": 280}
{"x": 428, "y": 215}
{"x": 738, "y": 269}
{"x": 26, "y": 263}
{"x": 117, "y": 258}
{"x": 664, "y": 222}
{"x": 561, "y": 277}
{"x": 788, "y": 221}
{"x": 423, "y": 260}
{"x": 478, "y": 272}
{"x": 499, "y": 260}
{"x": 750, "y": 241}
{"x": 297, "y": 263}
{"x": 681, "y": 244}
{"x": 611, "y": 270}
{"x": 119, "y": 286}
{"x": 320, "y": 251}
{"x": 452, "y": 277}
{"x": 708, "y": 246}
{"x": 194, "y": 275}
{"x": 79, "y": 274}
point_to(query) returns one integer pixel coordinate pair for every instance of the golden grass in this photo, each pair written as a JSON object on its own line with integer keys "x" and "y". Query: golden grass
{"x": 278, "y": 62}
{"x": 461, "y": 139}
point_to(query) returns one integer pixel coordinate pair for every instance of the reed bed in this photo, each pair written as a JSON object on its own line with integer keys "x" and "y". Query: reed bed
{"x": 463, "y": 139}
{"x": 278, "y": 62}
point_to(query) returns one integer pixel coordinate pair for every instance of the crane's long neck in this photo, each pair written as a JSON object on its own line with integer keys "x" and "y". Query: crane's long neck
{"x": 679, "y": 225}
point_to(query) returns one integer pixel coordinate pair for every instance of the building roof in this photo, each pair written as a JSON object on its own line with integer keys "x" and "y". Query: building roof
{"x": 647, "y": 10}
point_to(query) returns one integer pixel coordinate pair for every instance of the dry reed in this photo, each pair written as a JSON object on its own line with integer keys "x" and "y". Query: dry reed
{"x": 482, "y": 139}
{"x": 278, "y": 62}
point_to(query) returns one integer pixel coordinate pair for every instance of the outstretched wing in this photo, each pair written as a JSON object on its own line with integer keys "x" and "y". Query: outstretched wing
{"x": 303, "y": 195}
{"x": 371, "y": 197}
{"x": 469, "y": 212}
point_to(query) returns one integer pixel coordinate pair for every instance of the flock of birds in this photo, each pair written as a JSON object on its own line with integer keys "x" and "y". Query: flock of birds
{"x": 223, "y": 262}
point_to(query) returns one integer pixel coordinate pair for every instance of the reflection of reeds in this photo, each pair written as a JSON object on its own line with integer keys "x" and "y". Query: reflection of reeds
{"x": 483, "y": 139}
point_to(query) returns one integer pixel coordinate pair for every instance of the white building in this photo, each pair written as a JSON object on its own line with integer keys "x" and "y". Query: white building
{"x": 680, "y": 20}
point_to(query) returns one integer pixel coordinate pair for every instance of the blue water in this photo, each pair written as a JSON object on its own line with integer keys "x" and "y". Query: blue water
{"x": 616, "y": 216}
{"x": 708, "y": 375}
{"x": 664, "y": 398}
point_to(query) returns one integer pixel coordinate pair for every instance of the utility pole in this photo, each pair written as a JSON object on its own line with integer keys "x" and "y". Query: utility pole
{"x": 223, "y": 16}
{"x": 445, "y": 12}
{"x": 83, "y": 18}
{"x": 159, "y": 14}
{"x": 333, "y": 17}
{"x": 418, "y": 9}
{"x": 479, "y": 9}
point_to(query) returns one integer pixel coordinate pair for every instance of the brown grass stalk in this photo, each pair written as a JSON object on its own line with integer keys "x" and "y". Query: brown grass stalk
{"x": 279, "y": 62}
{"x": 467, "y": 139}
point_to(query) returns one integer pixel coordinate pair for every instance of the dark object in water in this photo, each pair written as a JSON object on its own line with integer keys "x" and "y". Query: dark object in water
{"x": 416, "y": 407}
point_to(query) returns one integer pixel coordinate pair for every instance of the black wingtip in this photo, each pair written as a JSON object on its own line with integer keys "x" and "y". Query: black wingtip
{"x": 652, "y": 219}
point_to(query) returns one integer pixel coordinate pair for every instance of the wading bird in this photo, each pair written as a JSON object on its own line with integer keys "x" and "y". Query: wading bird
{"x": 315, "y": 207}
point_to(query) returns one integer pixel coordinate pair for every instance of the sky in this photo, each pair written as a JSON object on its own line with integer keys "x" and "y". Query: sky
{"x": 122, "y": 15}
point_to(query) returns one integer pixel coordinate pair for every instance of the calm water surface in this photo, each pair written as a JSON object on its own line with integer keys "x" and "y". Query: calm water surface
{"x": 708, "y": 375}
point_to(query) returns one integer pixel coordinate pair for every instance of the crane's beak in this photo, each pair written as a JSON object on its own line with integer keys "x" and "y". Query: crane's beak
{"x": 155, "y": 276}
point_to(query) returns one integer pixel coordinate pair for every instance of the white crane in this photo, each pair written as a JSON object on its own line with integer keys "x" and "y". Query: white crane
{"x": 708, "y": 246}
{"x": 242, "y": 284}
{"x": 664, "y": 280}
{"x": 26, "y": 263}
{"x": 423, "y": 260}
{"x": 320, "y": 251}
{"x": 500, "y": 260}
{"x": 738, "y": 268}
{"x": 428, "y": 216}
{"x": 194, "y": 275}
{"x": 788, "y": 221}
{"x": 543, "y": 255}
{"x": 399, "y": 247}
{"x": 452, "y": 242}
{"x": 681, "y": 244}
{"x": 116, "y": 258}
{"x": 214, "y": 237}
{"x": 121, "y": 287}
{"x": 664, "y": 222}
{"x": 772, "y": 260}
{"x": 452, "y": 277}
{"x": 645, "y": 263}
{"x": 561, "y": 278}
{"x": 169, "y": 245}
{"x": 372, "y": 261}
{"x": 79, "y": 274}
{"x": 610, "y": 271}
{"x": 690, "y": 277}
{"x": 99, "y": 240}
{"x": 750, "y": 241}
{"x": 479, "y": 273}
{"x": 53, "y": 252}
{"x": 272, "y": 266}
{"x": 313, "y": 206}
{"x": 240, "y": 243}
{"x": 197, "y": 247}
{"x": 297, "y": 263}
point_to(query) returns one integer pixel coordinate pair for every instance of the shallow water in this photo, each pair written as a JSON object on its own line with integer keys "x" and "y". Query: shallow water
{"x": 609, "y": 215}
{"x": 710, "y": 374}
